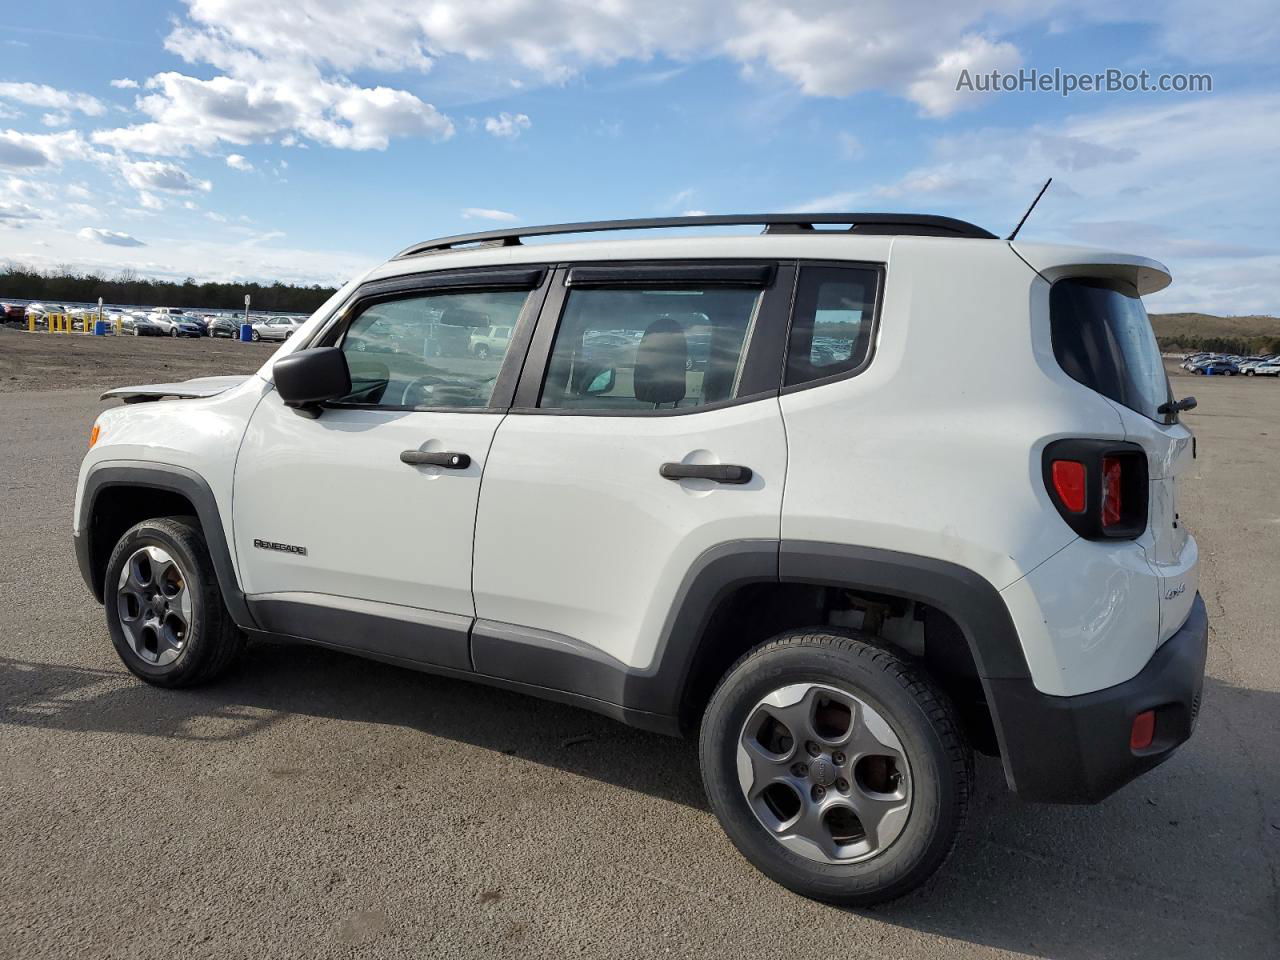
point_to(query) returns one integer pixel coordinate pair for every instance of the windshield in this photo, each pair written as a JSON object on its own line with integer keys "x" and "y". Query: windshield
{"x": 1103, "y": 339}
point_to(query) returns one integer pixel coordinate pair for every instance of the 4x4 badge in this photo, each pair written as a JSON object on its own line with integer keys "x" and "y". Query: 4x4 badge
{"x": 1175, "y": 592}
{"x": 282, "y": 547}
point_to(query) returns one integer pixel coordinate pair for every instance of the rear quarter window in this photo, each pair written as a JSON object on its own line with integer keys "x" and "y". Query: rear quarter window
{"x": 1103, "y": 339}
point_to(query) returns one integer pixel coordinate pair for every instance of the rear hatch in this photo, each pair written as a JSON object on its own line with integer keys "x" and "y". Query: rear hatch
{"x": 1103, "y": 338}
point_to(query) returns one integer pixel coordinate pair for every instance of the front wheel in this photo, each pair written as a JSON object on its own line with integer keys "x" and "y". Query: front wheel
{"x": 164, "y": 609}
{"x": 255, "y": 336}
{"x": 836, "y": 767}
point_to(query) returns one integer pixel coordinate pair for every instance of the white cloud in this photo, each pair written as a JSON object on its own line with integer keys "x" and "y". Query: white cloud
{"x": 41, "y": 95}
{"x": 150, "y": 201}
{"x": 15, "y": 212}
{"x": 272, "y": 101}
{"x": 110, "y": 237}
{"x": 507, "y": 125}
{"x": 77, "y": 191}
{"x": 935, "y": 90}
{"x": 83, "y": 211}
{"x": 26, "y": 150}
{"x": 237, "y": 162}
{"x": 20, "y": 189}
{"x": 58, "y": 119}
{"x": 161, "y": 175}
{"x": 484, "y": 213}
{"x": 124, "y": 83}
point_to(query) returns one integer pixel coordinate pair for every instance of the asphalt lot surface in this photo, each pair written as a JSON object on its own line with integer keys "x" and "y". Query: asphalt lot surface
{"x": 316, "y": 805}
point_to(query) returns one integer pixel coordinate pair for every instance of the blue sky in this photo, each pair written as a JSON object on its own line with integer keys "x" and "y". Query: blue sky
{"x": 306, "y": 141}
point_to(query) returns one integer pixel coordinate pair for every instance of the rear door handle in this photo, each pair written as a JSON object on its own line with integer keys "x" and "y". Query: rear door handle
{"x": 422, "y": 458}
{"x": 719, "y": 472}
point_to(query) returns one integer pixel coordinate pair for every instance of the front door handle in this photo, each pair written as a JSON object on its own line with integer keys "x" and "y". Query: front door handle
{"x": 443, "y": 458}
{"x": 719, "y": 472}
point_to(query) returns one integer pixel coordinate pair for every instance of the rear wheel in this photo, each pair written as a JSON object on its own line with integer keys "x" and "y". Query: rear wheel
{"x": 164, "y": 608}
{"x": 836, "y": 767}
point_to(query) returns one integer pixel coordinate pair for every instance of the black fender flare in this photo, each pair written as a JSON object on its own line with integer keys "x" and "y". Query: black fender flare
{"x": 155, "y": 476}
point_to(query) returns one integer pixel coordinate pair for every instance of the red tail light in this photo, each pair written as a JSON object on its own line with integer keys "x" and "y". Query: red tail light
{"x": 1069, "y": 481}
{"x": 1112, "y": 499}
{"x": 1100, "y": 487}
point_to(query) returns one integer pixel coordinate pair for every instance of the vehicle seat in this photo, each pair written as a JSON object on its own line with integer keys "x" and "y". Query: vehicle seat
{"x": 661, "y": 358}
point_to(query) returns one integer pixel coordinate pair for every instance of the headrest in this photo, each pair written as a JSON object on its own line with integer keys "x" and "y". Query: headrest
{"x": 661, "y": 358}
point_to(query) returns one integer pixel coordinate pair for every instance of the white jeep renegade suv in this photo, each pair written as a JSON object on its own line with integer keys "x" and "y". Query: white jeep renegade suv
{"x": 916, "y": 494}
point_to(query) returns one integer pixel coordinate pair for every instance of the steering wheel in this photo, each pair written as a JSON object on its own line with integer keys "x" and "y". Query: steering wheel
{"x": 429, "y": 380}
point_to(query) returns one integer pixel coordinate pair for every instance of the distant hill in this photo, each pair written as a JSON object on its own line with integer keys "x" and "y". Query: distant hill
{"x": 1204, "y": 331}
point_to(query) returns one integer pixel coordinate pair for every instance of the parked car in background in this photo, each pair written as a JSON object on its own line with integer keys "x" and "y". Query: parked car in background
{"x": 491, "y": 341}
{"x": 13, "y": 311}
{"x": 141, "y": 325}
{"x": 175, "y": 322}
{"x": 1250, "y": 364}
{"x": 1221, "y": 367}
{"x": 39, "y": 312}
{"x": 277, "y": 328}
{"x": 224, "y": 327}
{"x": 1268, "y": 368}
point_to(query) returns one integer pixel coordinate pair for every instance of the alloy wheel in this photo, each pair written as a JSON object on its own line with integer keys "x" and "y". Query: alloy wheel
{"x": 824, "y": 773}
{"x": 155, "y": 605}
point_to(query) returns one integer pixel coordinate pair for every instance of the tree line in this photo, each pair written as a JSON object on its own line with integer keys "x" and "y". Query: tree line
{"x": 127, "y": 288}
{"x": 1239, "y": 346}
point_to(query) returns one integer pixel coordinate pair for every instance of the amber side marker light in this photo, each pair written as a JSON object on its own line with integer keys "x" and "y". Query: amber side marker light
{"x": 93, "y": 435}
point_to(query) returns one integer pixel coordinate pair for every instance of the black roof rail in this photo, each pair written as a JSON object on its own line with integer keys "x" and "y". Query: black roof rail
{"x": 914, "y": 224}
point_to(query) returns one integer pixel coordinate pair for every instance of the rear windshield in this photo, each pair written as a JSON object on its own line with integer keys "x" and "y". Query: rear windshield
{"x": 1102, "y": 338}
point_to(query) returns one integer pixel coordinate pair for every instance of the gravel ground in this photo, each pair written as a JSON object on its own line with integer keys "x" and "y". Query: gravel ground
{"x": 45, "y": 361}
{"x": 316, "y": 805}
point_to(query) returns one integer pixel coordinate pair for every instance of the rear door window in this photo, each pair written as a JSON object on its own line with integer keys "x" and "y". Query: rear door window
{"x": 1103, "y": 339}
{"x": 649, "y": 349}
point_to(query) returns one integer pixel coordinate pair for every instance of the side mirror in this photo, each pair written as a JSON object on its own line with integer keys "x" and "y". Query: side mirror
{"x": 308, "y": 378}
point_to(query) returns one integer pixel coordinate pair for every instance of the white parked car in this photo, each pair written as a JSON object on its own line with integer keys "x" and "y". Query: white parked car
{"x": 844, "y": 549}
{"x": 277, "y": 328}
{"x": 1267, "y": 368}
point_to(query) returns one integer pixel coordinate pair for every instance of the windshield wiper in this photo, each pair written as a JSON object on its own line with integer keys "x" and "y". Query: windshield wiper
{"x": 1176, "y": 406}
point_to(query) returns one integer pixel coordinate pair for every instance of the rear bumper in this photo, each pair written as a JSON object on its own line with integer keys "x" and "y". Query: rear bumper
{"x": 1076, "y": 749}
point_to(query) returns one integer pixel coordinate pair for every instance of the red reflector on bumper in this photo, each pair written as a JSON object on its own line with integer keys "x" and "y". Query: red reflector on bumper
{"x": 1143, "y": 731}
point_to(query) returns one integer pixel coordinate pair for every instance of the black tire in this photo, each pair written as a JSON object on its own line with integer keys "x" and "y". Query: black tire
{"x": 255, "y": 336}
{"x": 213, "y": 640}
{"x": 923, "y": 718}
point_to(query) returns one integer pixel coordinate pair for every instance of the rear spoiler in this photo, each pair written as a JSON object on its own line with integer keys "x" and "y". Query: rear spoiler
{"x": 186, "y": 390}
{"x": 1054, "y": 262}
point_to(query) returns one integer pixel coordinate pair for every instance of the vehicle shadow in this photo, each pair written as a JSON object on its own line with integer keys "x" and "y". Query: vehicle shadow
{"x": 1177, "y": 865}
